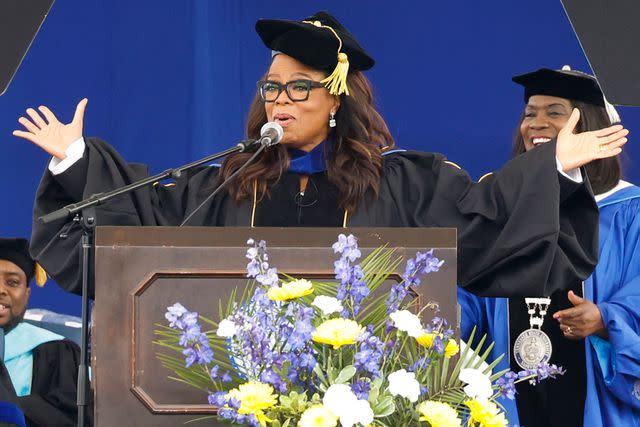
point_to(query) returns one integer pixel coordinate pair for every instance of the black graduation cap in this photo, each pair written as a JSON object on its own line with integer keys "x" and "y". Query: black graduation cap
{"x": 319, "y": 41}
{"x": 566, "y": 83}
{"x": 563, "y": 83}
{"x": 16, "y": 250}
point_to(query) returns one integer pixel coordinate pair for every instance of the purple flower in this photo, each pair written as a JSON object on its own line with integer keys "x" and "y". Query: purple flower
{"x": 218, "y": 398}
{"x": 506, "y": 383}
{"x": 214, "y": 372}
{"x": 352, "y": 289}
{"x": 269, "y": 376}
{"x": 270, "y": 278}
{"x": 227, "y": 413}
{"x": 258, "y": 266}
{"x": 361, "y": 388}
{"x": 423, "y": 263}
{"x": 192, "y": 333}
{"x": 370, "y": 353}
{"x": 424, "y": 390}
{"x": 301, "y": 334}
{"x": 308, "y": 361}
{"x": 191, "y": 356}
{"x": 174, "y": 315}
{"x": 195, "y": 342}
{"x": 438, "y": 344}
{"x": 205, "y": 354}
{"x": 420, "y": 364}
{"x": 253, "y": 268}
{"x": 252, "y": 253}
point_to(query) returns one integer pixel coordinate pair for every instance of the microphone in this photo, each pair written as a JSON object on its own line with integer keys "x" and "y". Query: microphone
{"x": 271, "y": 133}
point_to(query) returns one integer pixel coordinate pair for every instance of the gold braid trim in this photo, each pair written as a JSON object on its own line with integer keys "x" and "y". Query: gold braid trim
{"x": 452, "y": 164}
{"x": 485, "y": 175}
{"x": 255, "y": 202}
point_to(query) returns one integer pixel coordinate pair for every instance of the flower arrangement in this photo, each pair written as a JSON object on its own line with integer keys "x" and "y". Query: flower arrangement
{"x": 293, "y": 352}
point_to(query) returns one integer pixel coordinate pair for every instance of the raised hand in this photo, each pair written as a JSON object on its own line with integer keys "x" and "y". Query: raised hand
{"x": 581, "y": 320}
{"x": 577, "y": 149}
{"x": 51, "y": 135}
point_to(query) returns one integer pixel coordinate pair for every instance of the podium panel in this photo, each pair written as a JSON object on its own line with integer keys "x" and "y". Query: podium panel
{"x": 140, "y": 271}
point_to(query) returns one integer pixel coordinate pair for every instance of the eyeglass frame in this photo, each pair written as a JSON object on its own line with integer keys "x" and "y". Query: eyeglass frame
{"x": 311, "y": 84}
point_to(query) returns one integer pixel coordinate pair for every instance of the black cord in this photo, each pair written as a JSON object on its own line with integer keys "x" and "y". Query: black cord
{"x": 217, "y": 190}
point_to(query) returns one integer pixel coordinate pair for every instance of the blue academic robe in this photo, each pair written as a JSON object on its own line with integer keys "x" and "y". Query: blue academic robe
{"x": 613, "y": 365}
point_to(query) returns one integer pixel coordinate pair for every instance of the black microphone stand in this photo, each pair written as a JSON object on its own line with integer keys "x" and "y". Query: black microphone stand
{"x": 83, "y": 212}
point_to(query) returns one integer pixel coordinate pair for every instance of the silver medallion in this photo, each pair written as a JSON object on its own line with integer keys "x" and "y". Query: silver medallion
{"x": 532, "y": 348}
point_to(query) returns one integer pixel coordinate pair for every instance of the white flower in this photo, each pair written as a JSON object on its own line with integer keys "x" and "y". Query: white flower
{"x": 479, "y": 384}
{"x": 338, "y": 399}
{"x": 327, "y": 304}
{"x": 403, "y": 383}
{"x": 360, "y": 413}
{"x": 342, "y": 401}
{"x": 407, "y": 322}
{"x": 227, "y": 328}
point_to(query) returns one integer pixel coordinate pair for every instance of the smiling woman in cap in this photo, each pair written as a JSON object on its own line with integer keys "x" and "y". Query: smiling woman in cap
{"x": 337, "y": 166}
{"x": 593, "y": 329}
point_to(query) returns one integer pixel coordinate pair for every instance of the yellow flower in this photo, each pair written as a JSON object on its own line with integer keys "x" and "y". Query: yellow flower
{"x": 291, "y": 290}
{"x": 426, "y": 339}
{"x": 486, "y": 413}
{"x": 318, "y": 416}
{"x": 451, "y": 349}
{"x": 337, "y": 332}
{"x": 439, "y": 414}
{"x": 254, "y": 398}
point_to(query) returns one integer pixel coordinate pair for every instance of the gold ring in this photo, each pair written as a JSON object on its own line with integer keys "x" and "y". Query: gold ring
{"x": 568, "y": 329}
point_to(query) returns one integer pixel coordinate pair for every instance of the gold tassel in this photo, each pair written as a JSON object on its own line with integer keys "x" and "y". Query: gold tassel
{"x": 40, "y": 275}
{"x": 336, "y": 83}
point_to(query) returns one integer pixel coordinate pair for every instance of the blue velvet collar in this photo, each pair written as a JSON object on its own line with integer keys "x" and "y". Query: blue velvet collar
{"x": 308, "y": 163}
{"x": 315, "y": 161}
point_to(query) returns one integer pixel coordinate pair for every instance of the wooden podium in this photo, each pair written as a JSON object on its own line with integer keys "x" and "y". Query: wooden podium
{"x": 141, "y": 270}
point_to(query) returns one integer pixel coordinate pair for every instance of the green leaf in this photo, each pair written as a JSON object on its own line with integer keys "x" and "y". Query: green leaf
{"x": 384, "y": 407}
{"x": 374, "y": 392}
{"x": 345, "y": 375}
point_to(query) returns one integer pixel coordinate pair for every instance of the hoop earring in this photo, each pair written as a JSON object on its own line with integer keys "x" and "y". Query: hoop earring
{"x": 332, "y": 120}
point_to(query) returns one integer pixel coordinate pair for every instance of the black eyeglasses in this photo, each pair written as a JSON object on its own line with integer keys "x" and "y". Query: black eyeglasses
{"x": 297, "y": 90}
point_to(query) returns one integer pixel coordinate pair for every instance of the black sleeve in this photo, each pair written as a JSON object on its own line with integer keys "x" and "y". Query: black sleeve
{"x": 56, "y": 246}
{"x": 524, "y": 231}
{"x": 52, "y": 401}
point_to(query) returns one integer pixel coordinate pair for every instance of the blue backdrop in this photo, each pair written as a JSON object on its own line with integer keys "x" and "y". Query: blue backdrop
{"x": 170, "y": 81}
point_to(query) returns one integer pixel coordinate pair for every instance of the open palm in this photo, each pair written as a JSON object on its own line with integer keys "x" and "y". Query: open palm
{"x": 51, "y": 135}
{"x": 577, "y": 149}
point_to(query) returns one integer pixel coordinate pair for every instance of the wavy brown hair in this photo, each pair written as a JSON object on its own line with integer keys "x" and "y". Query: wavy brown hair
{"x": 353, "y": 163}
{"x": 603, "y": 174}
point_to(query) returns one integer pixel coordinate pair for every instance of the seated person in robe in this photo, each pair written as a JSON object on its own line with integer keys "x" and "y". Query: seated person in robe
{"x": 39, "y": 369}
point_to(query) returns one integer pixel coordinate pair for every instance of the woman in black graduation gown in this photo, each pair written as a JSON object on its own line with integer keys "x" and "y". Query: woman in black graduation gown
{"x": 550, "y": 96}
{"x": 337, "y": 166}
